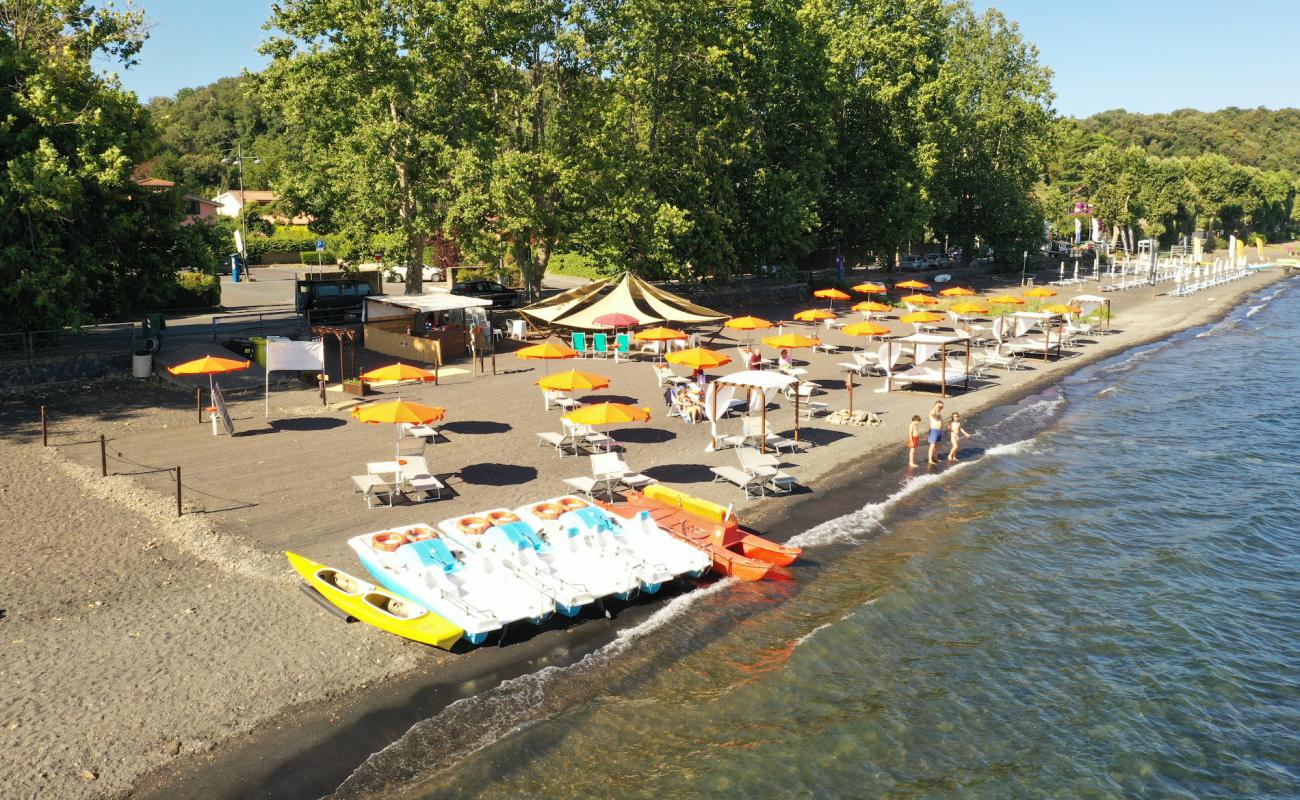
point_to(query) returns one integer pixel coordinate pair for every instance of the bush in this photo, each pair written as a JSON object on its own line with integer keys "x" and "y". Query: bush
{"x": 575, "y": 265}
{"x": 258, "y": 246}
{"x": 195, "y": 290}
{"x": 292, "y": 231}
{"x": 310, "y": 257}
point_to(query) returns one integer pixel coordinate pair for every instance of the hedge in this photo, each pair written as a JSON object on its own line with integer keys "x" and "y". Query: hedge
{"x": 257, "y": 246}
{"x": 196, "y": 290}
{"x": 310, "y": 257}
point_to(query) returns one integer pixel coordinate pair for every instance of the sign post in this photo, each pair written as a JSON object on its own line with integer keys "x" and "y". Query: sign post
{"x": 320, "y": 248}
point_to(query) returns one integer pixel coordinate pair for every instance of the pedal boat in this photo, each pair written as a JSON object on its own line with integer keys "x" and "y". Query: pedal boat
{"x": 374, "y": 606}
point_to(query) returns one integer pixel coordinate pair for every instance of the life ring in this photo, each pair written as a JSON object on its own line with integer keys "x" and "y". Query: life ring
{"x": 388, "y": 541}
{"x": 548, "y": 510}
{"x": 420, "y": 533}
{"x": 473, "y": 525}
{"x": 502, "y": 517}
{"x": 571, "y": 503}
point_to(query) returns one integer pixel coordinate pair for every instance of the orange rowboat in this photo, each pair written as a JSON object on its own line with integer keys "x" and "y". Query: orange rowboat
{"x": 733, "y": 550}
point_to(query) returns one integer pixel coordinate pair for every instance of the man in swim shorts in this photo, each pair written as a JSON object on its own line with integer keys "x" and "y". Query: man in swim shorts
{"x": 936, "y": 429}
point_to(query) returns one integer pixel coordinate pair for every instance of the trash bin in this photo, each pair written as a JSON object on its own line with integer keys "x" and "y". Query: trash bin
{"x": 259, "y": 350}
{"x": 141, "y": 364}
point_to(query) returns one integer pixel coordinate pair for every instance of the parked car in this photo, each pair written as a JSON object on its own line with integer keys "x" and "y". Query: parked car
{"x": 936, "y": 259}
{"x": 329, "y": 301}
{"x": 1055, "y": 248}
{"x": 911, "y": 263}
{"x": 428, "y": 274}
{"x": 954, "y": 254}
{"x": 500, "y": 296}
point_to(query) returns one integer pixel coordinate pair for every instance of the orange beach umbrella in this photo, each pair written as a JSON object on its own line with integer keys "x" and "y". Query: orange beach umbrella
{"x": 1061, "y": 308}
{"x": 698, "y": 358}
{"x": 912, "y": 284}
{"x": 209, "y": 365}
{"x": 787, "y": 341}
{"x": 607, "y": 414}
{"x": 546, "y": 351}
{"x": 922, "y": 316}
{"x": 396, "y": 412}
{"x": 830, "y": 294}
{"x": 866, "y": 329}
{"x": 958, "y": 291}
{"x": 814, "y": 314}
{"x": 970, "y": 307}
{"x": 572, "y": 380}
{"x": 398, "y": 372}
{"x": 747, "y": 324}
{"x": 1007, "y": 299}
{"x": 660, "y": 334}
{"x": 920, "y": 300}
{"x": 1040, "y": 291}
{"x": 870, "y": 288}
{"x": 872, "y": 306}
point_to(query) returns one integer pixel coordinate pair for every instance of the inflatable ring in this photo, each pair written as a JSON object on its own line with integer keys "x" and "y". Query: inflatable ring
{"x": 473, "y": 525}
{"x": 571, "y": 503}
{"x": 548, "y": 510}
{"x": 420, "y": 533}
{"x": 502, "y": 517}
{"x": 388, "y": 541}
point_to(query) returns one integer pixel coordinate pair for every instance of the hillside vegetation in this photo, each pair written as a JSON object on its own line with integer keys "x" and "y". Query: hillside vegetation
{"x": 1256, "y": 137}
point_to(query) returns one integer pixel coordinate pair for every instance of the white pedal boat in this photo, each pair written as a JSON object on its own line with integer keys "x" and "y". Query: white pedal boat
{"x": 663, "y": 555}
{"x": 472, "y": 589}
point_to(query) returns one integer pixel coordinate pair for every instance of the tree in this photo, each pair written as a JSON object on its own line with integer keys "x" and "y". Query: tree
{"x": 79, "y": 240}
{"x": 988, "y": 124}
{"x": 387, "y": 100}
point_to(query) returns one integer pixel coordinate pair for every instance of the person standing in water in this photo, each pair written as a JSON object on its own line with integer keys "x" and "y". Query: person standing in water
{"x": 913, "y": 439}
{"x": 955, "y": 432}
{"x": 936, "y": 429}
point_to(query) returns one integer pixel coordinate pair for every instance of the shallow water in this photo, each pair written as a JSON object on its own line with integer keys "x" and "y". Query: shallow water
{"x": 1101, "y": 603}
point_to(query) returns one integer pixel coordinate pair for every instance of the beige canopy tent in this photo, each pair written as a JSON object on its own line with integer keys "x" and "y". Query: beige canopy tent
{"x": 579, "y": 308}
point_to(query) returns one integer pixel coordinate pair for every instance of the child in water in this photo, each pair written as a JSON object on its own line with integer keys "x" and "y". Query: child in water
{"x": 955, "y": 431}
{"x": 913, "y": 439}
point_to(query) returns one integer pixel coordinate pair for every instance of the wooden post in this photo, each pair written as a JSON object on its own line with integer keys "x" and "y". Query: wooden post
{"x": 321, "y": 380}
{"x": 796, "y": 409}
{"x": 494, "y": 360}
{"x": 713, "y": 419}
{"x": 848, "y": 384}
{"x": 198, "y": 403}
{"x": 45, "y": 436}
{"x": 103, "y": 457}
{"x": 178, "y": 491}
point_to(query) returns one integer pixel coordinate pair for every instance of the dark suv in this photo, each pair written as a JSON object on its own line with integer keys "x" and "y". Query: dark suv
{"x": 331, "y": 301}
{"x": 500, "y": 296}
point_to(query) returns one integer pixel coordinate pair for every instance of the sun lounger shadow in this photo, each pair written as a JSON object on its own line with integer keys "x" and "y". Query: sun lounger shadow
{"x": 679, "y": 473}
{"x": 307, "y": 424}
{"x": 642, "y": 435}
{"x": 491, "y": 474}
{"x": 256, "y": 431}
{"x": 476, "y": 427}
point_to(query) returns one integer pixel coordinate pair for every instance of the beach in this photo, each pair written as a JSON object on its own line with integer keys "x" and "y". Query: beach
{"x": 164, "y": 649}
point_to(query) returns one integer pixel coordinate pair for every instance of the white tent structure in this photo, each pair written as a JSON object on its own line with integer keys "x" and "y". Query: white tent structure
{"x": 581, "y": 307}
{"x": 1087, "y": 303}
{"x": 758, "y": 386}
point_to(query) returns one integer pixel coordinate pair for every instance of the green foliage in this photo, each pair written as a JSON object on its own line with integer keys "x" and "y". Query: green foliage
{"x": 258, "y": 246}
{"x": 80, "y": 242}
{"x": 1252, "y": 137}
{"x": 317, "y": 256}
{"x": 577, "y": 265}
{"x": 195, "y": 290}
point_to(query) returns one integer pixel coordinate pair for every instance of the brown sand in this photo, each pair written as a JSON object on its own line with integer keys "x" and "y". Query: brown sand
{"x": 167, "y": 636}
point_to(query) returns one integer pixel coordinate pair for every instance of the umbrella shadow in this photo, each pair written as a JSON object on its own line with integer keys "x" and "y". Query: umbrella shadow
{"x": 476, "y": 426}
{"x": 307, "y": 424}
{"x": 493, "y": 474}
{"x": 643, "y": 435}
{"x": 679, "y": 473}
{"x": 608, "y": 398}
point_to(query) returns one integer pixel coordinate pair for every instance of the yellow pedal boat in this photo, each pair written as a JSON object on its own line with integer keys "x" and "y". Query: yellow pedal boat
{"x": 375, "y": 606}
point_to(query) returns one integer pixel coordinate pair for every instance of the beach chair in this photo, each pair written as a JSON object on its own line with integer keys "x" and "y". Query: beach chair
{"x": 418, "y": 480}
{"x": 372, "y": 487}
{"x": 580, "y": 344}
{"x": 665, "y": 375}
{"x": 623, "y": 347}
{"x": 767, "y": 468}
{"x": 752, "y": 432}
{"x": 584, "y": 485}
{"x": 751, "y": 485}
{"x": 553, "y": 397}
{"x": 600, "y": 345}
{"x": 806, "y": 390}
{"x": 564, "y": 443}
{"x": 590, "y": 436}
{"x": 612, "y": 468}
{"x": 518, "y": 329}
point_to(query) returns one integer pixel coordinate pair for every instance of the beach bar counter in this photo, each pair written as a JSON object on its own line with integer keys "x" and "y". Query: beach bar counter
{"x": 431, "y": 328}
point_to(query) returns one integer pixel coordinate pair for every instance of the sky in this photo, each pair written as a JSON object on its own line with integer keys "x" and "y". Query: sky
{"x": 1147, "y": 56}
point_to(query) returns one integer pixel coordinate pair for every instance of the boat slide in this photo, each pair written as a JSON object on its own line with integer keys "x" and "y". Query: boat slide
{"x": 472, "y": 589}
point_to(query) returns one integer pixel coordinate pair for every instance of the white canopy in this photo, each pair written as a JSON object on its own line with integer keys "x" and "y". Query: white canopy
{"x": 757, "y": 379}
{"x": 933, "y": 338}
{"x": 1087, "y": 298}
{"x": 388, "y": 305}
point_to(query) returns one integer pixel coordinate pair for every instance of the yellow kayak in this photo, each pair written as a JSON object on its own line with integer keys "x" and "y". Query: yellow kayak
{"x": 375, "y": 606}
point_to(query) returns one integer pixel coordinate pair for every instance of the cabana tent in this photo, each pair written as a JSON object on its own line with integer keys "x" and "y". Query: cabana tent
{"x": 579, "y": 308}
{"x": 756, "y": 384}
{"x": 1087, "y": 303}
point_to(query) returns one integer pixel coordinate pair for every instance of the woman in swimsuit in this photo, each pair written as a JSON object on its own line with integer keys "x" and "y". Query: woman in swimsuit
{"x": 936, "y": 429}
{"x": 955, "y": 432}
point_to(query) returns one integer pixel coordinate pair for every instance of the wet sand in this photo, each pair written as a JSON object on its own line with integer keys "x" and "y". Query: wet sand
{"x": 199, "y": 638}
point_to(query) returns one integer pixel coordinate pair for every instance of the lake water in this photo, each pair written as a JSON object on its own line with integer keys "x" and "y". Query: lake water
{"x": 1103, "y": 602}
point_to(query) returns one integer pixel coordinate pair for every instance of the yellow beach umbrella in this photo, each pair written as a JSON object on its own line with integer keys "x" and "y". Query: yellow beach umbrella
{"x": 912, "y": 284}
{"x": 572, "y": 380}
{"x": 660, "y": 334}
{"x": 787, "y": 341}
{"x": 399, "y": 372}
{"x": 394, "y": 412}
{"x": 970, "y": 307}
{"x": 1040, "y": 291}
{"x": 870, "y": 288}
{"x": 607, "y": 414}
{"x": 958, "y": 291}
{"x": 830, "y": 294}
{"x": 866, "y": 329}
{"x": 920, "y": 300}
{"x": 1061, "y": 308}
{"x": 1007, "y": 299}
{"x": 397, "y": 411}
{"x": 922, "y": 317}
{"x": 747, "y": 324}
{"x": 872, "y": 306}
{"x": 814, "y": 314}
{"x": 698, "y": 358}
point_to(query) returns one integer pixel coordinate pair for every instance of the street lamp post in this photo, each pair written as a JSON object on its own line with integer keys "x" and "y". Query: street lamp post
{"x": 243, "y": 230}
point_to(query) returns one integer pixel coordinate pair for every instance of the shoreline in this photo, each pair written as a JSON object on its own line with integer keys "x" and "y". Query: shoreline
{"x": 286, "y": 755}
